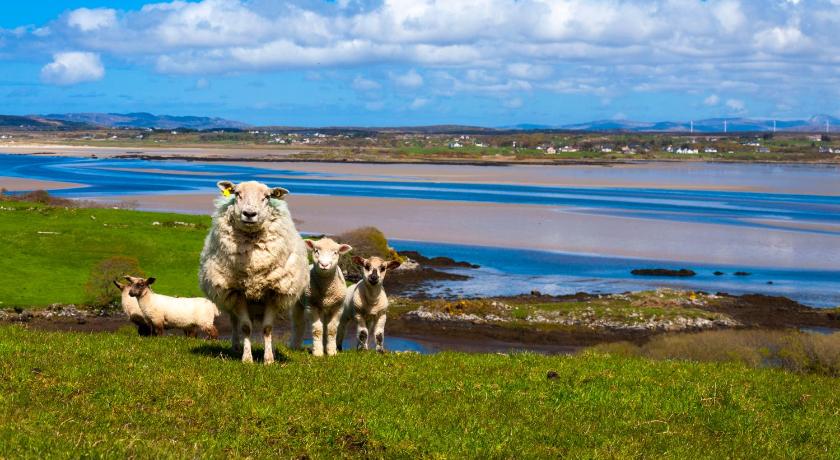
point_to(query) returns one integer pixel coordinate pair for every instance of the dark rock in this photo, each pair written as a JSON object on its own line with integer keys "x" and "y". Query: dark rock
{"x": 536, "y": 293}
{"x": 769, "y": 282}
{"x": 18, "y": 310}
{"x": 683, "y": 272}
{"x": 81, "y": 320}
{"x": 552, "y": 375}
{"x": 741, "y": 273}
{"x": 719, "y": 273}
{"x": 438, "y": 262}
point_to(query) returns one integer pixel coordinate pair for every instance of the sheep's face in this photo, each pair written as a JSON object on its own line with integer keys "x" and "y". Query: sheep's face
{"x": 252, "y": 202}
{"x": 325, "y": 253}
{"x": 138, "y": 286}
{"x": 375, "y": 268}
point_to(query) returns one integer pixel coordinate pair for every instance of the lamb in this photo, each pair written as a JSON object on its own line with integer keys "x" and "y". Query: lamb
{"x": 326, "y": 292}
{"x": 367, "y": 303}
{"x": 132, "y": 310}
{"x": 165, "y": 312}
{"x": 254, "y": 263}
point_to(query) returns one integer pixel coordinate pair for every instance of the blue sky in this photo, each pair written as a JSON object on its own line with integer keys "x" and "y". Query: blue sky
{"x": 413, "y": 62}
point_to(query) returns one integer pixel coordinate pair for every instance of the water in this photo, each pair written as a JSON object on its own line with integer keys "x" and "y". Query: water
{"x": 507, "y": 272}
{"x": 806, "y": 210}
{"x": 391, "y": 344}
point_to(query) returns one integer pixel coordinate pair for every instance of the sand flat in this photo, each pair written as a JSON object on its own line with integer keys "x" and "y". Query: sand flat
{"x": 541, "y": 228}
{"x": 16, "y": 184}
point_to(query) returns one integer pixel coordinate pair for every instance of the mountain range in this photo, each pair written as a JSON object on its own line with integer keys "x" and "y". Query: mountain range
{"x": 71, "y": 121}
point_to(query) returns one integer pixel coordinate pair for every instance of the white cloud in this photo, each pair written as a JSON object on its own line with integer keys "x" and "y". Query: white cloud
{"x": 411, "y": 79}
{"x": 418, "y": 103}
{"x": 712, "y": 100}
{"x": 202, "y": 83}
{"x": 528, "y": 71}
{"x": 513, "y": 103}
{"x": 735, "y": 105}
{"x": 73, "y": 67}
{"x": 363, "y": 84}
{"x": 88, "y": 20}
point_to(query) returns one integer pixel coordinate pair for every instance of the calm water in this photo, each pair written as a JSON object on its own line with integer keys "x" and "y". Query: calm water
{"x": 509, "y": 271}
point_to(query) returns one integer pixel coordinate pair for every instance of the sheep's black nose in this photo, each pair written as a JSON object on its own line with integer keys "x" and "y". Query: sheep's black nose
{"x": 249, "y": 214}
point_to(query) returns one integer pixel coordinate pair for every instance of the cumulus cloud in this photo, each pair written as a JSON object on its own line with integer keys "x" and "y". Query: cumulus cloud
{"x": 87, "y": 20}
{"x": 736, "y": 105}
{"x": 418, "y": 103}
{"x": 363, "y": 84}
{"x": 712, "y": 100}
{"x": 411, "y": 79}
{"x": 74, "y": 67}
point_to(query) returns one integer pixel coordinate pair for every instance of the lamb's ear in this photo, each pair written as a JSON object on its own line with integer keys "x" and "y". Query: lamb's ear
{"x": 150, "y": 281}
{"x": 344, "y": 248}
{"x": 279, "y": 193}
{"x": 129, "y": 279}
{"x": 225, "y": 186}
{"x": 393, "y": 264}
{"x": 358, "y": 260}
{"x": 118, "y": 285}
{"x": 309, "y": 244}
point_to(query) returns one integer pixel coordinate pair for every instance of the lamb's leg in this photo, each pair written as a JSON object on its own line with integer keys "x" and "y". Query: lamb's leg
{"x": 362, "y": 334}
{"x": 268, "y": 328}
{"x": 245, "y": 328}
{"x": 342, "y": 329}
{"x": 298, "y": 326}
{"x": 332, "y": 331}
{"x": 317, "y": 333}
{"x": 235, "y": 338}
{"x": 379, "y": 333}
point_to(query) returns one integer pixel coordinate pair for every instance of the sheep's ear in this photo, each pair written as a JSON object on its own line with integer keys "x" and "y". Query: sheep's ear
{"x": 309, "y": 244}
{"x": 393, "y": 264}
{"x": 344, "y": 248}
{"x": 129, "y": 279}
{"x": 150, "y": 281}
{"x": 225, "y": 186}
{"x": 118, "y": 285}
{"x": 358, "y": 260}
{"x": 279, "y": 193}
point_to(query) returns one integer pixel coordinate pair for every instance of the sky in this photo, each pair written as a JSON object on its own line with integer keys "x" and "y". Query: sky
{"x": 420, "y": 62}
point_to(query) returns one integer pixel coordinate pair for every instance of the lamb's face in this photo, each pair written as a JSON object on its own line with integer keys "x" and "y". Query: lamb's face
{"x": 138, "y": 286}
{"x": 375, "y": 268}
{"x": 252, "y": 202}
{"x": 326, "y": 253}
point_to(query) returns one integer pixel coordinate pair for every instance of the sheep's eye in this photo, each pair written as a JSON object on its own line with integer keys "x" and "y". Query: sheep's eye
{"x": 268, "y": 197}
{"x": 367, "y": 266}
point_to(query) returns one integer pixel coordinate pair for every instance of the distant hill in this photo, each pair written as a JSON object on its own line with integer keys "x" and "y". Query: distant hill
{"x": 38, "y": 123}
{"x": 147, "y": 120}
{"x": 711, "y": 125}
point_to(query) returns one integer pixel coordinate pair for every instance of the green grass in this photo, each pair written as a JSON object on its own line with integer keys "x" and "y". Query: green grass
{"x": 118, "y": 395}
{"x": 53, "y": 266}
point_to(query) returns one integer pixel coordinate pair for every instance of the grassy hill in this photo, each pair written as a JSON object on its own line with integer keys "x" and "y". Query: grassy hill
{"x": 119, "y": 395}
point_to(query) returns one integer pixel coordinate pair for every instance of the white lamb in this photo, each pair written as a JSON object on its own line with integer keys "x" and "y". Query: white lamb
{"x": 254, "y": 263}
{"x": 132, "y": 309}
{"x": 165, "y": 312}
{"x": 326, "y": 292}
{"x": 367, "y": 303}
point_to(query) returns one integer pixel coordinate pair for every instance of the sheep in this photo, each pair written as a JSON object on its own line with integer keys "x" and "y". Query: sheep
{"x": 165, "y": 312}
{"x": 132, "y": 309}
{"x": 367, "y": 303}
{"x": 254, "y": 263}
{"x": 325, "y": 295}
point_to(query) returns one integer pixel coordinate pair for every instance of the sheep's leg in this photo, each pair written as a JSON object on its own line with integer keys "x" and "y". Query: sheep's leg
{"x": 268, "y": 328}
{"x": 379, "y": 333}
{"x": 317, "y": 333}
{"x": 298, "y": 326}
{"x": 342, "y": 329}
{"x": 191, "y": 332}
{"x": 235, "y": 340}
{"x": 245, "y": 327}
{"x": 362, "y": 334}
{"x": 212, "y": 332}
{"x": 332, "y": 332}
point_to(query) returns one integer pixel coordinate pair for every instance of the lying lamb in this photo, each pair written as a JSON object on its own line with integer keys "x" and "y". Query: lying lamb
{"x": 132, "y": 310}
{"x": 325, "y": 295}
{"x": 367, "y": 303}
{"x": 164, "y": 312}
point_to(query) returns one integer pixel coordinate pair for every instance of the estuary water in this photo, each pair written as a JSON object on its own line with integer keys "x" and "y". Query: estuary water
{"x": 780, "y": 223}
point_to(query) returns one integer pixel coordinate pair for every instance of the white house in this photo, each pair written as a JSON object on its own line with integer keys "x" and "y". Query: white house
{"x": 551, "y": 150}
{"x": 710, "y": 150}
{"x": 455, "y": 145}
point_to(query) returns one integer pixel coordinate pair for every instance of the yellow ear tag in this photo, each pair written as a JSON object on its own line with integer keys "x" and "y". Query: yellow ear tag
{"x": 226, "y": 193}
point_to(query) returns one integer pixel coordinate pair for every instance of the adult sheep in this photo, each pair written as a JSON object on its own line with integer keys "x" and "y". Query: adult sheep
{"x": 254, "y": 262}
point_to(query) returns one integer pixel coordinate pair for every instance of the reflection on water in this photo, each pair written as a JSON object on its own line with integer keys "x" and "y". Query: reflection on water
{"x": 391, "y": 344}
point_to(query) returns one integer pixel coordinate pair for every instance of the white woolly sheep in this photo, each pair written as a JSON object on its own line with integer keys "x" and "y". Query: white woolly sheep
{"x": 165, "y": 312}
{"x": 367, "y": 303}
{"x": 254, "y": 263}
{"x": 326, "y": 292}
{"x": 132, "y": 309}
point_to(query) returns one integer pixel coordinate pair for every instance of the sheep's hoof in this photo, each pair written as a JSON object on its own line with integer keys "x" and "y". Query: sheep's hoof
{"x": 380, "y": 351}
{"x": 247, "y": 358}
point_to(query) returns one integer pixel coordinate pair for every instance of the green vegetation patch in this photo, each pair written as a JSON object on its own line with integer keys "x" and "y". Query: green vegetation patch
{"x": 119, "y": 395}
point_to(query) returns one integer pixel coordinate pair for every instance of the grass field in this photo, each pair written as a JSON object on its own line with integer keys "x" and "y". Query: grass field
{"x": 49, "y": 252}
{"x": 118, "y": 395}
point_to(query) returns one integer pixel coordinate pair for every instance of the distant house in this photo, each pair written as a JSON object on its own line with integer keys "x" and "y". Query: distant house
{"x": 480, "y": 145}
{"x": 568, "y": 149}
{"x": 551, "y": 150}
{"x": 710, "y": 150}
{"x": 606, "y": 149}
{"x": 815, "y": 137}
{"x": 825, "y": 149}
{"x": 687, "y": 151}
{"x": 762, "y": 150}
{"x": 455, "y": 145}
